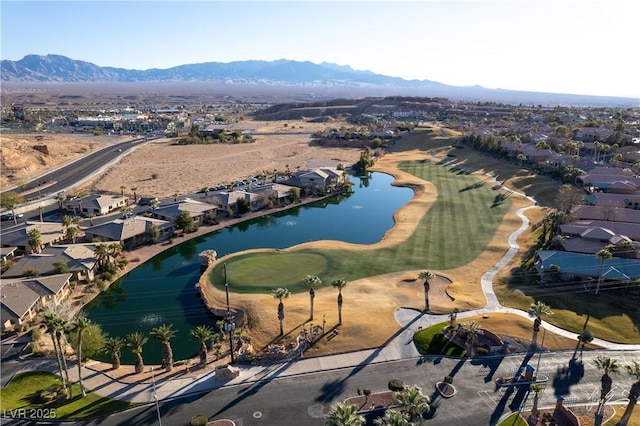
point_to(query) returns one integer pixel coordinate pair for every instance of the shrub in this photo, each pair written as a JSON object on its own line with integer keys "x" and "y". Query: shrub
{"x": 198, "y": 421}
{"x": 396, "y": 385}
{"x": 448, "y": 379}
{"x": 154, "y": 175}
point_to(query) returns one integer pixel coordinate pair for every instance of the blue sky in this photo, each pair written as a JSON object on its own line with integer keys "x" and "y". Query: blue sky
{"x": 564, "y": 46}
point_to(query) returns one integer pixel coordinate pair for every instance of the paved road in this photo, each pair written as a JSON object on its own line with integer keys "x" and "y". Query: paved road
{"x": 288, "y": 397}
{"x": 78, "y": 171}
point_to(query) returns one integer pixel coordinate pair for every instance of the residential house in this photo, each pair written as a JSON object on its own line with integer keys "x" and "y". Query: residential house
{"x": 199, "y": 211}
{"x": 593, "y": 239}
{"x": 279, "y": 194}
{"x": 592, "y": 134}
{"x": 78, "y": 258}
{"x": 50, "y": 233}
{"x": 7, "y": 253}
{"x": 131, "y": 232}
{"x": 22, "y": 298}
{"x": 607, "y": 213}
{"x": 625, "y": 201}
{"x": 629, "y": 230}
{"x": 322, "y": 178}
{"x": 96, "y": 204}
{"x": 586, "y": 267}
{"x": 228, "y": 201}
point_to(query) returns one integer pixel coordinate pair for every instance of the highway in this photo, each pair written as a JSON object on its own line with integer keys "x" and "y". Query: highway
{"x": 78, "y": 171}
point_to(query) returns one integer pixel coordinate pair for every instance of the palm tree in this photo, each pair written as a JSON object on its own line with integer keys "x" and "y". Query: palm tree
{"x": 340, "y": 283}
{"x": 114, "y": 250}
{"x": 122, "y": 188}
{"x": 101, "y": 252}
{"x": 81, "y": 324}
{"x": 136, "y": 341}
{"x": 49, "y": 319}
{"x": 426, "y": 276}
{"x": 453, "y": 316}
{"x": 34, "y": 239}
{"x": 91, "y": 216}
{"x": 60, "y": 198}
{"x": 164, "y": 334}
{"x": 134, "y": 189}
{"x": 344, "y": 414}
{"x": 536, "y": 388}
{"x": 393, "y": 418}
{"x": 40, "y": 212}
{"x": 602, "y": 254}
{"x": 202, "y": 334}
{"x": 10, "y": 200}
{"x": 59, "y": 325}
{"x": 72, "y": 234}
{"x": 472, "y": 330}
{"x": 311, "y": 281}
{"x": 537, "y": 310}
{"x": 112, "y": 346}
{"x": 634, "y": 393}
{"x": 413, "y": 402}
{"x": 281, "y": 293}
{"x": 607, "y": 365}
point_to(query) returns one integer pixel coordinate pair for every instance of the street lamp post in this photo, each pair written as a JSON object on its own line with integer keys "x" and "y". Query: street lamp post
{"x": 155, "y": 397}
{"x": 229, "y": 325}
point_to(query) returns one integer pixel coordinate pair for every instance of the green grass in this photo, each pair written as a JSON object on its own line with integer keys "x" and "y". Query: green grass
{"x": 513, "y": 420}
{"x": 431, "y": 341}
{"x": 24, "y": 389}
{"x": 454, "y": 232}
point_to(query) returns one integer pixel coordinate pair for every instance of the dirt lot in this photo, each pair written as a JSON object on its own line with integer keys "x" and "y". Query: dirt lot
{"x": 179, "y": 169}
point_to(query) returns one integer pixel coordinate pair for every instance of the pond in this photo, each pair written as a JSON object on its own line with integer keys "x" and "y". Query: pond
{"x": 162, "y": 290}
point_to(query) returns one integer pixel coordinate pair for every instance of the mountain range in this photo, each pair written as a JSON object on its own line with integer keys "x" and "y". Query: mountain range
{"x": 61, "y": 69}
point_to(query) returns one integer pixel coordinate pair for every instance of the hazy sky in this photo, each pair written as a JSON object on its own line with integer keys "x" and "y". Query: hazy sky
{"x": 565, "y": 46}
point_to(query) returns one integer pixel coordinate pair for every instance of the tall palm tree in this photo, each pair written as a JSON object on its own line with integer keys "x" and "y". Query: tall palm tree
{"x": 91, "y": 216}
{"x": 280, "y": 294}
{"x": 634, "y": 393}
{"x": 536, "y": 388}
{"x": 134, "y": 189}
{"x": 164, "y": 334}
{"x": 602, "y": 255}
{"x": 413, "y": 402}
{"x": 344, "y": 414}
{"x": 122, "y": 188}
{"x": 311, "y": 281}
{"x": 537, "y": 310}
{"x": 60, "y": 326}
{"x": 340, "y": 283}
{"x": 34, "y": 239}
{"x": 112, "y": 346}
{"x": 426, "y": 276}
{"x": 81, "y": 324}
{"x": 393, "y": 418}
{"x": 607, "y": 365}
{"x": 40, "y": 213}
{"x": 202, "y": 334}
{"x": 135, "y": 341}
{"x": 50, "y": 321}
{"x": 472, "y": 330}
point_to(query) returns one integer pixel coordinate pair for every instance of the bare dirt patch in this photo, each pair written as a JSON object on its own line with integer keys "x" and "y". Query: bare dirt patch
{"x": 23, "y": 156}
{"x": 183, "y": 169}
